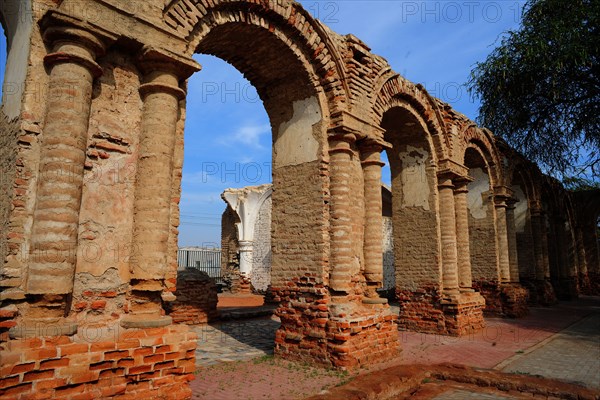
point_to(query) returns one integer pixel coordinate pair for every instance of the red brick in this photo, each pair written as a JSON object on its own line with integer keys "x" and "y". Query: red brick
{"x": 163, "y": 365}
{"x": 69, "y": 390}
{"x": 73, "y": 348}
{"x": 98, "y": 305}
{"x": 56, "y": 363}
{"x": 112, "y": 372}
{"x": 138, "y": 386}
{"x": 126, "y": 362}
{"x": 17, "y": 369}
{"x": 80, "y": 305}
{"x": 134, "y": 334}
{"x": 9, "y": 381}
{"x": 113, "y": 390}
{"x": 167, "y": 380}
{"x": 38, "y": 375}
{"x": 89, "y": 395}
{"x": 110, "y": 294}
{"x": 143, "y": 351}
{"x": 102, "y": 346}
{"x": 19, "y": 389}
{"x": 139, "y": 369}
{"x": 8, "y": 313}
{"x": 128, "y": 344}
{"x": 101, "y": 365}
{"x": 57, "y": 340}
{"x": 115, "y": 355}
{"x": 50, "y": 383}
{"x": 174, "y": 356}
{"x": 83, "y": 376}
{"x": 154, "y": 358}
{"x": 8, "y": 324}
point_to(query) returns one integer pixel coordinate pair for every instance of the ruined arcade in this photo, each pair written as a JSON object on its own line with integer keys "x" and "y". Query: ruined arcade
{"x": 91, "y": 157}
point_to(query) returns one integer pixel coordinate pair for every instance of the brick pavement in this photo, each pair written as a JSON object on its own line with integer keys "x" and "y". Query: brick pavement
{"x": 572, "y": 355}
{"x": 466, "y": 395}
{"x": 501, "y": 340}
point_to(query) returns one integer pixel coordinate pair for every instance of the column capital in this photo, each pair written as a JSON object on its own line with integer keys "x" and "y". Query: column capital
{"x": 151, "y": 60}
{"x": 461, "y": 183}
{"x": 341, "y": 142}
{"x": 344, "y": 121}
{"x": 370, "y": 152}
{"x": 449, "y": 169}
{"x": 502, "y": 195}
{"x": 74, "y": 41}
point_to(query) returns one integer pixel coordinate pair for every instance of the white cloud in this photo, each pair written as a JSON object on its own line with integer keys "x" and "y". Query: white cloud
{"x": 248, "y": 135}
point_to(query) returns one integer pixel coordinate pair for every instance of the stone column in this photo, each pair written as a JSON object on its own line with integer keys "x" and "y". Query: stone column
{"x": 538, "y": 232}
{"x": 246, "y": 247}
{"x": 462, "y": 234}
{"x": 511, "y": 231}
{"x": 72, "y": 69}
{"x": 161, "y": 94}
{"x": 373, "y": 240}
{"x": 340, "y": 159}
{"x": 502, "y": 232}
{"x": 448, "y": 232}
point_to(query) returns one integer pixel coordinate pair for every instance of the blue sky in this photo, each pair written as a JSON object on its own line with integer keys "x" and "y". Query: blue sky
{"x": 228, "y": 136}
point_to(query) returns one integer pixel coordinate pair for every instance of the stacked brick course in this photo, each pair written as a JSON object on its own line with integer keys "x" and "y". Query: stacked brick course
{"x": 144, "y": 363}
{"x": 196, "y": 298}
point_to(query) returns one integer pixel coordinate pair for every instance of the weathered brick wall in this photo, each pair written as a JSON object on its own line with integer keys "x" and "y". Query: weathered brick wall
{"x": 482, "y": 232}
{"x": 525, "y": 244}
{"x": 261, "y": 251}
{"x": 196, "y": 298}
{"x": 102, "y": 271}
{"x": 9, "y": 197}
{"x": 144, "y": 363}
{"x": 389, "y": 269}
{"x": 414, "y": 215}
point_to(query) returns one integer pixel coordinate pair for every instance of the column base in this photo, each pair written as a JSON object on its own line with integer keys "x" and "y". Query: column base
{"x": 566, "y": 288}
{"x": 196, "y": 298}
{"x": 514, "y": 300}
{"x": 369, "y": 336}
{"x": 464, "y": 314}
{"x": 342, "y": 333}
{"x": 541, "y": 292}
{"x": 140, "y": 363}
{"x": 503, "y": 299}
{"x": 594, "y": 284}
{"x": 427, "y": 310}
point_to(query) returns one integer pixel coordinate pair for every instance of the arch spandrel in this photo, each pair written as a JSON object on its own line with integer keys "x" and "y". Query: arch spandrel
{"x": 305, "y": 36}
{"x": 482, "y": 141}
{"x": 398, "y": 92}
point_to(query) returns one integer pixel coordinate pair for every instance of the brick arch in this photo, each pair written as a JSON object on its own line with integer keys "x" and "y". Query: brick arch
{"x": 396, "y": 91}
{"x": 482, "y": 141}
{"x": 523, "y": 170}
{"x": 285, "y": 20}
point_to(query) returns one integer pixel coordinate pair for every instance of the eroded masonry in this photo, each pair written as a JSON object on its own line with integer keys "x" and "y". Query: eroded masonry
{"x": 91, "y": 156}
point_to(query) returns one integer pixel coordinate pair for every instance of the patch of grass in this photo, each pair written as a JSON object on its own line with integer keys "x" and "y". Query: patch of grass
{"x": 521, "y": 373}
{"x": 264, "y": 359}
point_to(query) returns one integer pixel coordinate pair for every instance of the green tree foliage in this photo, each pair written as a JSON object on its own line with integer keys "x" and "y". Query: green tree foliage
{"x": 540, "y": 88}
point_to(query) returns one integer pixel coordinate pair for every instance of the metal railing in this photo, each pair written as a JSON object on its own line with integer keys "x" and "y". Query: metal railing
{"x": 207, "y": 260}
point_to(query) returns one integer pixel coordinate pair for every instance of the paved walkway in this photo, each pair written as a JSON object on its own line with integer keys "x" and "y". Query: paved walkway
{"x": 560, "y": 342}
{"x": 466, "y": 395}
{"x": 572, "y": 355}
{"x": 235, "y": 340}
